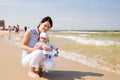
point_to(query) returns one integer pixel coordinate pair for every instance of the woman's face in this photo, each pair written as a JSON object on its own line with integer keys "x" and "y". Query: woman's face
{"x": 44, "y": 27}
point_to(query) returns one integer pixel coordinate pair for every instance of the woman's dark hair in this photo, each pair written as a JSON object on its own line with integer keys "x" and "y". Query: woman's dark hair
{"x": 47, "y": 18}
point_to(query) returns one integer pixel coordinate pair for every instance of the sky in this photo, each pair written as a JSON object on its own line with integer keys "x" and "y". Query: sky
{"x": 66, "y": 14}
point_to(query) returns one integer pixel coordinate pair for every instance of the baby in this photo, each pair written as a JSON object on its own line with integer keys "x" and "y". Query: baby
{"x": 44, "y": 40}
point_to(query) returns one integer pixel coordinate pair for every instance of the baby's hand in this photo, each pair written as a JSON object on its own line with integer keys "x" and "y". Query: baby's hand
{"x": 37, "y": 47}
{"x": 46, "y": 55}
{"x": 46, "y": 47}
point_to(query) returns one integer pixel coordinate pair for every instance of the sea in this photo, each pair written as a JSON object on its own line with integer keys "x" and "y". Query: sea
{"x": 95, "y": 48}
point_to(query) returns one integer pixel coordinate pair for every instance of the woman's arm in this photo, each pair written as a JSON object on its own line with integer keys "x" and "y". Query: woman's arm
{"x": 25, "y": 40}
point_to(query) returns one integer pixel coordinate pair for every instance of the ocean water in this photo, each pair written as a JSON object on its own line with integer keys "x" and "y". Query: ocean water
{"x": 107, "y": 40}
{"x": 95, "y": 38}
{"x": 98, "y": 49}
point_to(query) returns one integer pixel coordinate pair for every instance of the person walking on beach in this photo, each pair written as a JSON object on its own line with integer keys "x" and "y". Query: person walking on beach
{"x": 32, "y": 56}
{"x": 25, "y": 28}
{"x": 9, "y": 29}
{"x": 15, "y": 29}
{"x": 18, "y": 27}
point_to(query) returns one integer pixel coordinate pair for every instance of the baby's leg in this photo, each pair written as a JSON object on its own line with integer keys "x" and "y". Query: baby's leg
{"x": 48, "y": 64}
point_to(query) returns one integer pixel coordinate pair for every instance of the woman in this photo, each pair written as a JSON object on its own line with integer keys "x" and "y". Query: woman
{"x": 32, "y": 56}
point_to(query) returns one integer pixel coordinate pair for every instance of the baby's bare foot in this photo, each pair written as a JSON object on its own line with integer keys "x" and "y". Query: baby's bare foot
{"x": 33, "y": 75}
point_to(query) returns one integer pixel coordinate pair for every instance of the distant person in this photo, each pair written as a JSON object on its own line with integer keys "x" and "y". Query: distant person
{"x": 15, "y": 29}
{"x": 18, "y": 27}
{"x": 9, "y": 29}
{"x": 32, "y": 57}
{"x": 25, "y": 28}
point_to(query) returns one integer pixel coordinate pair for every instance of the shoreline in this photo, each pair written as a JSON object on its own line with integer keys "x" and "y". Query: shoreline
{"x": 90, "y": 61}
{"x": 80, "y": 57}
{"x": 70, "y": 71}
{"x": 84, "y": 57}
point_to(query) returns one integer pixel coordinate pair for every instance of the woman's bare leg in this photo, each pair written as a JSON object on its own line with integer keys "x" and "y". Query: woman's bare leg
{"x": 40, "y": 71}
{"x": 32, "y": 73}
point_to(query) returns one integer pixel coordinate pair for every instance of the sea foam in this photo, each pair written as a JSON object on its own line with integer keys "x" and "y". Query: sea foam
{"x": 86, "y": 40}
{"x": 90, "y": 61}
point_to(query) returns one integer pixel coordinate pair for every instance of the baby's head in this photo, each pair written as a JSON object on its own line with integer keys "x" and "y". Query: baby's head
{"x": 43, "y": 37}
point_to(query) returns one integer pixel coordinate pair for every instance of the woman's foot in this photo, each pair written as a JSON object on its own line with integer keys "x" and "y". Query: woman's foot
{"x": 33, "y": 75}
{"x": 40, "y": 72}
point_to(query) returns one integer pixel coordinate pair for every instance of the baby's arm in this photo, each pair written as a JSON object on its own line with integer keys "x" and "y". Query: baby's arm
{"x": 37, "y": 47}
{"x": 53, "y": 46}
{"x": 54, "y": 51}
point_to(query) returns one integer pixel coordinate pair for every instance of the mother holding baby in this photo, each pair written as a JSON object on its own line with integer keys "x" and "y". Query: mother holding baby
{"x": 32, "y": 57}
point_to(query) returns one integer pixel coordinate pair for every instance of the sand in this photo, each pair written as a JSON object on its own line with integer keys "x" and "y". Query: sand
{"x": 12, "y": 69}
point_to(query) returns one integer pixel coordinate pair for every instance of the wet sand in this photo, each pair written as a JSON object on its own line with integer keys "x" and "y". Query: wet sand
{"x": 12, "y": 69}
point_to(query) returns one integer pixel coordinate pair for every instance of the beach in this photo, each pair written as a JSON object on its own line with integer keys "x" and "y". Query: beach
{"x": 66, "y": 69}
